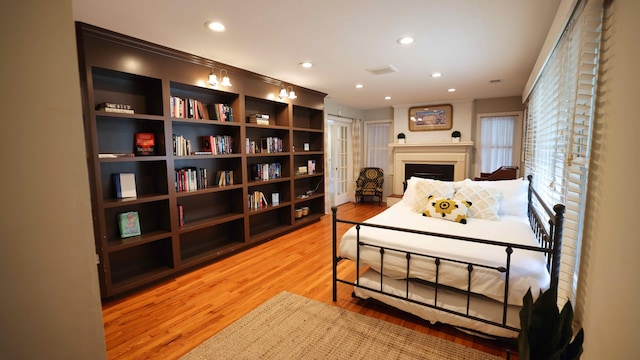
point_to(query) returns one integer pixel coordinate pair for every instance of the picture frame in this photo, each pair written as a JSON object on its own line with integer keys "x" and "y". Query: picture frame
{"x": 431, "y": 117}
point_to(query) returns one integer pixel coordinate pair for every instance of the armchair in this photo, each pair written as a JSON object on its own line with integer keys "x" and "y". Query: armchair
{"x": 369, "y": 183}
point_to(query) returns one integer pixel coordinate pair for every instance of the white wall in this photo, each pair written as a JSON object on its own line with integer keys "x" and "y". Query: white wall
{"x": 50, "y": 303}
{"x": 609, "y": 289}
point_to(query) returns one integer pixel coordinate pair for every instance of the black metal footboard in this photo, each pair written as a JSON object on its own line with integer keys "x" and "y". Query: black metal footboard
{"x": 546, "y": 225}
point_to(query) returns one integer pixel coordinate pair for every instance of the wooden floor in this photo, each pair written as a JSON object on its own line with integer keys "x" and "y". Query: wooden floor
{"x": 167, "y": 320}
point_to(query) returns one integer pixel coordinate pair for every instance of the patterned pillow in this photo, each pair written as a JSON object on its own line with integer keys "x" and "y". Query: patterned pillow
{"x": 486, "y": 201}
{"x": 426, "y": 188}
{"x": 448, "y": 209}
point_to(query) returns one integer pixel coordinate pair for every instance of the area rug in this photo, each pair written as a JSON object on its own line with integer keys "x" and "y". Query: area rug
{"x": 290, "y": 326}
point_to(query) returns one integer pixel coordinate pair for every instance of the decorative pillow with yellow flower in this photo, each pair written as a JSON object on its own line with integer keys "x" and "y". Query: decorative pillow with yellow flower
{"x": 448, "y": 209}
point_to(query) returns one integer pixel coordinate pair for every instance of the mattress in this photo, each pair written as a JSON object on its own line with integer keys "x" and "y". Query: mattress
{"x": 527, "y": 270}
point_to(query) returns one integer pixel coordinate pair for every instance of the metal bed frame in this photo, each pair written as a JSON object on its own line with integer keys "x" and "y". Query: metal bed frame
{"x": 549, "y": 237}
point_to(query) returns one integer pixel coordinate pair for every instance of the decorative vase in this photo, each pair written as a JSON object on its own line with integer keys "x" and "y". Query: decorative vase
{"x": 455, "y": 139}
{"x": 401, "y": 141}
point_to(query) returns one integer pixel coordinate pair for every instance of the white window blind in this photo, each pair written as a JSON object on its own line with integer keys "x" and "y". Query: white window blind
{"x": 559, "y": 117}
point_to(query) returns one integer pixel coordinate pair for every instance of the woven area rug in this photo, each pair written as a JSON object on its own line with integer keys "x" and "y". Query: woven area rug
{"x": 290, "y": 326}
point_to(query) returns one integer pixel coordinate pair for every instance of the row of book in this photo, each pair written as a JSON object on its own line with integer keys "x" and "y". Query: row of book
{"x": 181, "y": 146}
{"x": 217, "y": 144}
{"x": 190, "y": 179}
{"x": 257, "y": 200}
{"x": 267, "y": 145}
{"x": 266, "y": 171}
{"x": 224, "y": 177}
{"x": 184, "y": 108}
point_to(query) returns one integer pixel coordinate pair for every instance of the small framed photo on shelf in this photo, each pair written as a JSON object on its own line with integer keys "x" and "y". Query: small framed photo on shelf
{"x": 306, "y": 146}
{"x": 129, "y": 223}
{"x": 275, "y": 199}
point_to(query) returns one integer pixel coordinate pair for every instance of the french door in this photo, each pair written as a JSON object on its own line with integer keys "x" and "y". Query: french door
{"x": 340, "y": 161}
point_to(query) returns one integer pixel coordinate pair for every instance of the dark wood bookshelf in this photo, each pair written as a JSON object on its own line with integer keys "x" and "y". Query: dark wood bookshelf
{"x": 217, "y": 219}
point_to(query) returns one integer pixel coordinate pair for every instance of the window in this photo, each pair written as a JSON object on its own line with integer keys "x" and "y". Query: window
{"x": 497, "y": 134}
{"x": 560, "y": 111}
{"x": 377, "y": 137}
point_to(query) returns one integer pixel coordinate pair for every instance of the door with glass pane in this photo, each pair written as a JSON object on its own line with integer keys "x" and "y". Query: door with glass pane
{"x": 340, "y": 161}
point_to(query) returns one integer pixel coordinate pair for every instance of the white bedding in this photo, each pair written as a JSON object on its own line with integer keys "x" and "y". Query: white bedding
{"x": 528, "y": 269}
{"x": 479, "y": 307}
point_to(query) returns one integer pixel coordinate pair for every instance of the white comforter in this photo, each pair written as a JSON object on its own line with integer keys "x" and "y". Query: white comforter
{"x": 528, "y": 268}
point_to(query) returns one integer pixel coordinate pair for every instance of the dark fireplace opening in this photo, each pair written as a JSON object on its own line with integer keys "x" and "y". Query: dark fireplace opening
{"x": 429, "y": 171}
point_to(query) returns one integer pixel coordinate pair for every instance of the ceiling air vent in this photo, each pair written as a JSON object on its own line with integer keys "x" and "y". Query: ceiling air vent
{"x": 495, "y": 81}
{"x": 387, "y": 69}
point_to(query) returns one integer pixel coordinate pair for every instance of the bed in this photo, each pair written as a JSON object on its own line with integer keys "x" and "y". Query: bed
{"x": 462, "y": 253}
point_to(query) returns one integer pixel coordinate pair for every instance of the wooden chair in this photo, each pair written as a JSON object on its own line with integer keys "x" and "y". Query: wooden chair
{"x": 502, "y": 173}
{"x": 369, "y": 183}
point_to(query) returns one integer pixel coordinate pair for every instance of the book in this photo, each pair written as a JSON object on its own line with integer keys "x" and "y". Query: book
{"x": 180, "y": 215}
{"x": 145, "y": 144}
{"x": 114, "y": 155}
{"x": 260, "y": 119}
{"x": 275, "y": 199}
{"x": 125, "y": 185}
{"x": 311, "y": 166}
{"x": 129, "y": 224}
{"x": 115, "y": 108}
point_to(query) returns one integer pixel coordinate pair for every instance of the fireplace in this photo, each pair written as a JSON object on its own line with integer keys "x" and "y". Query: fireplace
{"x": 442, "y": 172}
{"x": 430, "y": 158}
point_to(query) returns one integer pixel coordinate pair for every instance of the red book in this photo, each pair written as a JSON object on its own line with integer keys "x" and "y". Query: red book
{"x": 145, "y": 144}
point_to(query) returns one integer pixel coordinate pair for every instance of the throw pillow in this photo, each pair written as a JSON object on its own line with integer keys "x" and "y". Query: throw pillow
{"x": 426, "y": 188}
{"x": 486, "y": 201}
{"x": 447, "y": 209}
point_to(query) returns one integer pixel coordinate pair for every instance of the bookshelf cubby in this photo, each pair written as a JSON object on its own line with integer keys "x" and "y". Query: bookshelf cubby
{"x": 186, "y": 225}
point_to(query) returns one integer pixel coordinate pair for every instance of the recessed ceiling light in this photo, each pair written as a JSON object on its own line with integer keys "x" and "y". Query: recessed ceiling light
{"x": 405, "y": 40}
{"x": 451, "y": 90}
{"x": 215, "y": 26}
{"x": 387, "y": 97}
{"x": 359, "y": 86}
{"x": 306, "y": 64}
{"x": 436, "y": 75}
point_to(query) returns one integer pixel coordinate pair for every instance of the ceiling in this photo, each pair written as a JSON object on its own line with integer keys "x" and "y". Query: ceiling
{"x": 470, "y": 42}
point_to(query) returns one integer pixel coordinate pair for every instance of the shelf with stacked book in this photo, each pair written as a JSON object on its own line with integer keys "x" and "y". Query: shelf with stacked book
{"x": 201, "y": 103}
{"x": 277, "y": 112}
{"x": 267, "y": 141}
{"x": 206, "y": 174}
{"x": 205, "y": 138}
{"x": 134, "y": 93}
{"x": 266, "y": 196}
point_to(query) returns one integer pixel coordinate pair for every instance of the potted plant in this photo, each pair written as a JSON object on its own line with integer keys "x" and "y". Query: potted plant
{"x": 455, "y": 136}
{"x": 547, "y": 333}
{"x": 401, "y": 138}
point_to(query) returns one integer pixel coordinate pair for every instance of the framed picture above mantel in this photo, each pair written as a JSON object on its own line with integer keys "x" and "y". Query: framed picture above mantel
{"x": 431, "y": 117}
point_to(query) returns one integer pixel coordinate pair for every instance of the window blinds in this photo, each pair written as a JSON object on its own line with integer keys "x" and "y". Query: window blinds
{"x": 558, "y": 131}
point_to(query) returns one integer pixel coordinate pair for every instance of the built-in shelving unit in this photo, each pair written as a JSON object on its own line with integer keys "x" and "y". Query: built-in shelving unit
{"x": 183, "y": 226}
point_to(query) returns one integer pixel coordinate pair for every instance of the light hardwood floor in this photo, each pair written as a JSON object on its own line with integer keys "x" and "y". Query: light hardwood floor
{"x": 168, "y": 319}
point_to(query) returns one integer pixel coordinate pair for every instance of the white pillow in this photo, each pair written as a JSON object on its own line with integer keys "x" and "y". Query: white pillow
{"x": 485, "y": 201}
{"x": 419, "y": 189}
{"x": 514, "y": 195}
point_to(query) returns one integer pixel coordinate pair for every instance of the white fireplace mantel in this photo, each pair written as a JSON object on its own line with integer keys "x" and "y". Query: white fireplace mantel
{"x": 452, "y": 153}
